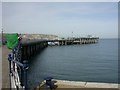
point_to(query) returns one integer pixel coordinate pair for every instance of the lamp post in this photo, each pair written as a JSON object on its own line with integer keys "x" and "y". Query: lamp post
{"x": 72, "y": 35}
{"x": 2, "y": 36}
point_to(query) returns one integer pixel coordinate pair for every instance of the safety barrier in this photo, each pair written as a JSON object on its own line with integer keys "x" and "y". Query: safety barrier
{"x": 17, "y": 70}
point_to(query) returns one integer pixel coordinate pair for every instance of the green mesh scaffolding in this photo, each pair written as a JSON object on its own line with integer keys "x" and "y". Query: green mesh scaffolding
{"x": 12, "y": 40}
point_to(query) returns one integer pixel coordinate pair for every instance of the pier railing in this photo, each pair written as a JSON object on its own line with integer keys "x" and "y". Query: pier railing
{"x": 17, "y": 70}
{"x": 18, "y": 62}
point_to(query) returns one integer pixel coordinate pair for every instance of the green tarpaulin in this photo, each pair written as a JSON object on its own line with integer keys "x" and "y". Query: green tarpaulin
{"x": 12, "y": 40}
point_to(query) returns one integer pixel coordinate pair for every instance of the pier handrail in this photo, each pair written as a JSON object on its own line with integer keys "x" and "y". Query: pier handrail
{"x": 17, "y": 69}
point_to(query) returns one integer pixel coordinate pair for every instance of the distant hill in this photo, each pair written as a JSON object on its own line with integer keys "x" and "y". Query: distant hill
{"x": 34, "y": 36}
{"x": 39, "y": 36}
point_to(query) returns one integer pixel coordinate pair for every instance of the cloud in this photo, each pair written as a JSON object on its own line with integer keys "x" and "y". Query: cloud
{"x": 0, "y": 15}
{"x": 60, "y": 0}
{"x": 61, "y": 18}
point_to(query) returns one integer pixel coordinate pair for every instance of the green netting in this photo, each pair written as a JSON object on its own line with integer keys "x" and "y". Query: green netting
{"x": 12, "y": 40}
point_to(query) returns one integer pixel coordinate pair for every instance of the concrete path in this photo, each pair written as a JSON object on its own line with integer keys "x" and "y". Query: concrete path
{"x": 76, "y": 85}
{"x": 5, "y": 70}
{"x": 0, "y": 67}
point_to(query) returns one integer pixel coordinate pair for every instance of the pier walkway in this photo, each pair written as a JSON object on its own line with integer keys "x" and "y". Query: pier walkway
{"x": 5, "y": 69}
{"x": 0, "y": 67}
{"x": 63, "y": 84}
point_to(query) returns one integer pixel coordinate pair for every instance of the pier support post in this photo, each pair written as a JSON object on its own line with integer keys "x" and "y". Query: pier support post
{"x": 25, "y": 68}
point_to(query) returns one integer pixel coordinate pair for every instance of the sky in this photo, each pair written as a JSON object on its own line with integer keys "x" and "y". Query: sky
{"x": 64, "y": 19}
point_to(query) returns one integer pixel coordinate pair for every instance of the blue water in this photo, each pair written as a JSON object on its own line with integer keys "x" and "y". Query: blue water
{"x": 91, "y": 62}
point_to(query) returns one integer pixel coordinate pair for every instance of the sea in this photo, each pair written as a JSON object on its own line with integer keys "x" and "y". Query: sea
{"x": 85, "y": 63}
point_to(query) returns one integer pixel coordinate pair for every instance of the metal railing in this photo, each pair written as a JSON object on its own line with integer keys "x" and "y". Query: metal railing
{"x": 17, "y": 69}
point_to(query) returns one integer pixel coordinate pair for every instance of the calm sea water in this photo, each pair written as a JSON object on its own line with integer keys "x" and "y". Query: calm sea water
{"x": 91, "y": 62}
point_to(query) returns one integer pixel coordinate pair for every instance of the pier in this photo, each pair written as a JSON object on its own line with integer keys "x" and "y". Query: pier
{"x": 31, "y": 47}
{"x": 73, "y": 41}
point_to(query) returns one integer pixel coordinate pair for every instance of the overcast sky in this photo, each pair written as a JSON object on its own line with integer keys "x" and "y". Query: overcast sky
{"x": 60, "y": 18}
